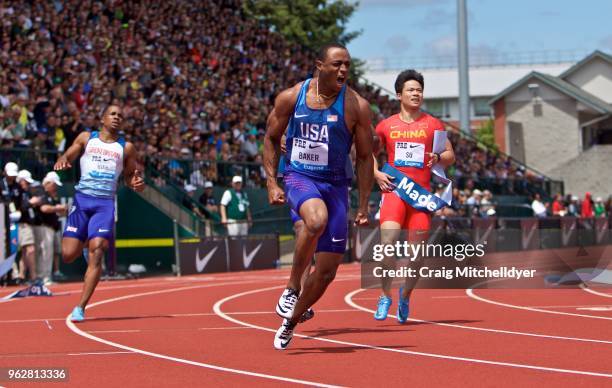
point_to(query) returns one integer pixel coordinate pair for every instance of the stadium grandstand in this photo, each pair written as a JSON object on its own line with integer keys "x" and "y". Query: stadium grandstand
{"x": 196, "y": 81}
{"x": 196, "y": 101}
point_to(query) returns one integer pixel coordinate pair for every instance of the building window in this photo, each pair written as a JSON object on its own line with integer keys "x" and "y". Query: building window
{"x": 435, "y": 107}
{"x": 481, "y": 107}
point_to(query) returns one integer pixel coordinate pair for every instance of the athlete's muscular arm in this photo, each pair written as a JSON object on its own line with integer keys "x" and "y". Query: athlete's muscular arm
{"x": 447, "y": 157}
{"x": 74, "y": 151}
{"x": 382, "y": 179}
{"x": 276, "y": 125}
{"x": 131, "y": 174}
{"x": 365, "y": 162}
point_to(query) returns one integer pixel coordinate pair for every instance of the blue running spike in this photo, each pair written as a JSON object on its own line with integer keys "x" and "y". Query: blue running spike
{"x": 384, "y": 303}
{"x": 402, "y": 308}
{"x": 78, "y": 315}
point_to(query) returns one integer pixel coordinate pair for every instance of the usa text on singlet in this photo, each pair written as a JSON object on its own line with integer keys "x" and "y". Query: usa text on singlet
{"x": 318, "y": 141}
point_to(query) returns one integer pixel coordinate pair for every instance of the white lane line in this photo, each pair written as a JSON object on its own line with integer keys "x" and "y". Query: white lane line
{"x": 114, "y": 331}
{"x": 350, "y": 301}
{"x": 55, "y": 354}
{"x": 217, "y": 309}
{"x": 82, "y": 333}
{"x": 48, "y": 324}
{"x": 170, "y": 329}
{"x": 471, "y": 294}
{"x": 592, "y": 291}
{"x": 569, "y": 306}
{"x": 176, "y": 315}
{"x": 98, "y": 353}
{"x": 449, "y": 297}
{"x": 152, "y": 283}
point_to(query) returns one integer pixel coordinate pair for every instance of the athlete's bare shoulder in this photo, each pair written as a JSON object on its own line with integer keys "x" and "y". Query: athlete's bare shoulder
{"x": 83, "y": 138}
{"x": 357, "y": 108}
{"x": 129, "y": 147}
{"x": 353, "y": 98}
{"x": 286, "y": 99}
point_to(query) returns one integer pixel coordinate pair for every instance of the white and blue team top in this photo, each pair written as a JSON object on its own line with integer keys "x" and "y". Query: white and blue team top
{"x": 101, "y": 165}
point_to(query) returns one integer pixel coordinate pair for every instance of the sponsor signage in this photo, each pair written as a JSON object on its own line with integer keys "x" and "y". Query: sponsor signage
{"x": 222, "y": 254}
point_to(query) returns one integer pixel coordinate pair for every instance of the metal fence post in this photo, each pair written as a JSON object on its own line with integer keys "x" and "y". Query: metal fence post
{"x": 177, "y": 259}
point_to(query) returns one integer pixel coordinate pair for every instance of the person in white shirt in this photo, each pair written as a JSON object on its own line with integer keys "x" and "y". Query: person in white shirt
{"x": 235, "y": 212}
{"x": 538, "y": 207}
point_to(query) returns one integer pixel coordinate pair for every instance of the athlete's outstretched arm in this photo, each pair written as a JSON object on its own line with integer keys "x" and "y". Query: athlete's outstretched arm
{"x": 131, "y": 173}
{"x": 276, "y": 125}
{"x": 74, "y": 151}
{"x": 447, "y": 157}
{"x": 365, "y": 161}
{"x": 382, "y": 179}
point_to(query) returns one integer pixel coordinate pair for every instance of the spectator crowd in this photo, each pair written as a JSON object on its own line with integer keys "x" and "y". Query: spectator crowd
{"x": 196, "y": 91}
{"x": 197, "y": 80}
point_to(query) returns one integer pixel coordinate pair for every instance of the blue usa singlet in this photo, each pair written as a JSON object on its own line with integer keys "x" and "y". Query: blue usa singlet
{"x": 318, "y": 141}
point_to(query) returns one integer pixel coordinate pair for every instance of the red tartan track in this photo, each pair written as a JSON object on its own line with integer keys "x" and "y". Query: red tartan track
{"x": 218, "y": 329}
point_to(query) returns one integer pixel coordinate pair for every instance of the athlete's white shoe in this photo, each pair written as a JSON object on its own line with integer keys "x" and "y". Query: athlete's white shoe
{"x": 283, "y": 335}
{"x": 286, "y": 303}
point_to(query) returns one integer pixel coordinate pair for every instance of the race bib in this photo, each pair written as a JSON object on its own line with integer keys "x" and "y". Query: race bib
{"x": 309, "y": 154}
{"x": 408, "y": 154}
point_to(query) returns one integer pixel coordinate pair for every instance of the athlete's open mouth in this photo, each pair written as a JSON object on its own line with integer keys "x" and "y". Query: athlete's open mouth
{"x": 340, "y": 80}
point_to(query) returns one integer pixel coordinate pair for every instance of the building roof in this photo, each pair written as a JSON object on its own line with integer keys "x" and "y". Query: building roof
{"x": 564, "y": 87}
{"x": 587, "y": 59}
{"x": 484, "y": 81}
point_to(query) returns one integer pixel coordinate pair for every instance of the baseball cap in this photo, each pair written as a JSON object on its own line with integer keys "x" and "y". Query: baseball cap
{"x": 477, "y": 192}
{"x": 52, "y": 177}
{"x": 26, "y": 175}
{"x": 11, "y": 169}
{"x": 190, "y": 188}
{"x": 237, "y": 179}
{"x": 208, "y": 185}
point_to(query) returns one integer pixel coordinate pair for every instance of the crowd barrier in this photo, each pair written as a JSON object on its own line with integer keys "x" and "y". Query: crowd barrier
{"x": 228, "y": 253}
{"x": 502, "y": 234}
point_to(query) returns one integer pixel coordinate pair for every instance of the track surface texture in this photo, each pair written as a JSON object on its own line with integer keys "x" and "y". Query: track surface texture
{"x": 218, "y": 329}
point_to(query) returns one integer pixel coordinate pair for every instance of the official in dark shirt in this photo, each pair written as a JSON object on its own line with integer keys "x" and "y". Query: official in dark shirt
{"x": 26, "y": 204}
{"x": 50, "y": 209}
{"x": 208, "y": 202}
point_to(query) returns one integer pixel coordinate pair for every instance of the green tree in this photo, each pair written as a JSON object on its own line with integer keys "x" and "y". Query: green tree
{"x": 486, "y": 135}
{"x": 311, "y": 23}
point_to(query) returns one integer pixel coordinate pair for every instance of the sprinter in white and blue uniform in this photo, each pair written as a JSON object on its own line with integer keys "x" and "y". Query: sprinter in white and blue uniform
{"x": 322, "y": 118}
{"x": 93, "y": 210}
{"x": 104, "y": 156}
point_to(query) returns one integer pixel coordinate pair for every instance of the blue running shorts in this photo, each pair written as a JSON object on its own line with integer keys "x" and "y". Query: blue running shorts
{"x": 300, "y": 188}
{"x": 90, "y": 217}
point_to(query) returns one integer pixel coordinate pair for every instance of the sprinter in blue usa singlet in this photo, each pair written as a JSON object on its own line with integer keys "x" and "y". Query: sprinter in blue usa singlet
{"x": 318, "y": 145}
{"x": 322, "y": 117}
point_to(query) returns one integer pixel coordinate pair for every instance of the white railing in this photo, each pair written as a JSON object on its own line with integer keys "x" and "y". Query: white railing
{"x": 476, "y": 59}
